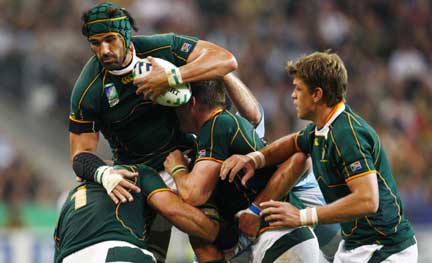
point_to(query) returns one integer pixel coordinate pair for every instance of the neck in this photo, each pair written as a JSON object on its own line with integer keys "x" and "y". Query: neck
{"x": 207, "y": 115}
{"x": 130, "y": 61}
{"x": 323, "y": 114}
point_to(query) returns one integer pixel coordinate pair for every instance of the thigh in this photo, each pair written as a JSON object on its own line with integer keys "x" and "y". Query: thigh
{"x": 104, "y": 251}
{"x": 278, "y": 245}
{"x": 358, "y": 255}
{"x": 409, "y": 254}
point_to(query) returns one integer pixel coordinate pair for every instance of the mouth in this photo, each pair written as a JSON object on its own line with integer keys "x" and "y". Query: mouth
{"x": 108, "y": 60}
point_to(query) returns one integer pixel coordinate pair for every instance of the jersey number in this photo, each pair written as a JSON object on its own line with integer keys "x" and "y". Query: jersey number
{"x": 80, "y": 197}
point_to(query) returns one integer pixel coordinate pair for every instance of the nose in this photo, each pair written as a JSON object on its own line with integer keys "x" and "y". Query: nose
{"x": 293, "y": 94}
{"x": 104, "y": 48}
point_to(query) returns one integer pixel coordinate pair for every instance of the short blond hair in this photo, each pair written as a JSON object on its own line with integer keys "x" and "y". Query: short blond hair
{"x": 325, "y": 70}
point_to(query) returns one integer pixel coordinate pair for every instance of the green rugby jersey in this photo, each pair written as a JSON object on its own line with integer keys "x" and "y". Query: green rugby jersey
{"x": 137, "y": 130}
{"x": 220, "y": 137}
{"x": 347, "y": 148}
{"x": 89, "y": 216}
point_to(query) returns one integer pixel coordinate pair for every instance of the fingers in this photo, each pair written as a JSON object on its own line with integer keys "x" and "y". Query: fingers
{"x": 270, "y": 203}
{"x": 235, "y": 170}
{"x": 126, "y": 173}
{"x": 122, "y": 194}
{"x": 248, "y": 174}
{"x": 114, "y": 198}
{"x": 130, "y": 186}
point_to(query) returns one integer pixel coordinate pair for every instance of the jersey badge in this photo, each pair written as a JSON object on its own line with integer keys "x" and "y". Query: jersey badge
{"x": 202, "y": 153}
{"x": 355, "y": 166}
{"x": 186, "y": 47}
{"x": 111, "y": 94}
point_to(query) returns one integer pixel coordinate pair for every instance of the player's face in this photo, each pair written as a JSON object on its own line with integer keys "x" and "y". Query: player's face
{"x": 303, "y": 100}
{"x": 109, "y": 49}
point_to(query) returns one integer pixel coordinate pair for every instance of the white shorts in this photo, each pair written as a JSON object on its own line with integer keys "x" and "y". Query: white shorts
{"x": 98, "y": 253}
{"x": 364, "y": 254}
{"x": 304, "y": 251}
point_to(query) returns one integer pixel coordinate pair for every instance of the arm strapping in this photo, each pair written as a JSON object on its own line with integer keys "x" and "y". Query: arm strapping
{"x": 85, "y": 165}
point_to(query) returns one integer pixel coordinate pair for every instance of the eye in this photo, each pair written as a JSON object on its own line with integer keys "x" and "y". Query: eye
{"x": 110, "y": 38}
{"x": 94, "y": 43}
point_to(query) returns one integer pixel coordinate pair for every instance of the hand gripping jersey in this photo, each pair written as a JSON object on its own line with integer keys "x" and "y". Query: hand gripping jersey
{"x": 137, "y": 130}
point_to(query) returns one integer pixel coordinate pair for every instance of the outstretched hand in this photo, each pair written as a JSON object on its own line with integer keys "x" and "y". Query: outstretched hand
{"x": 154, "y": 84}
{"x": 234, "y": 164}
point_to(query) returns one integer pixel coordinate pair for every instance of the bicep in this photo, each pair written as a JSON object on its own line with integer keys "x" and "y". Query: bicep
{"x": 205, "y": 175}
{"x": 83, "y": 142}
{"x": 366, "y": 185}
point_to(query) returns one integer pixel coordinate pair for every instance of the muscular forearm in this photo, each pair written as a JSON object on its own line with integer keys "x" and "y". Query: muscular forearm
{"x": 190, "y": 219}
{"x": 210, "y": 62}
{"x": 188, "y": 191}
{"x": 280, "y": 150}
{"x": 348, "y": 208}
{"x": 284, "y": 179}
{"x": 244, "y": 101}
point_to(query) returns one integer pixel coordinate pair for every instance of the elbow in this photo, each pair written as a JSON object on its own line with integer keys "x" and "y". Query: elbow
{"x": 233, "y": 64}
{"x": 370, "y": 204}
{"x": 194, "y": 199}
{"x": 229, "y": 65}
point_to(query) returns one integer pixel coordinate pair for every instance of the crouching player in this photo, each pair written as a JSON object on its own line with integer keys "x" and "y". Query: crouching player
{"x": 92, "y": 229}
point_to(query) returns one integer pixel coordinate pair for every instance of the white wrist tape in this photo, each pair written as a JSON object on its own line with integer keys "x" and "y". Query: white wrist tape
{"x": 247, "y": 211}
{"x": 104, "y": 175}
{"x": 303, "y": 217}
{"x": 308, "y": 216}
{"x": 314, "y": 216}
{"x": 258, "y": 159}
{"x": 174, "y": 77}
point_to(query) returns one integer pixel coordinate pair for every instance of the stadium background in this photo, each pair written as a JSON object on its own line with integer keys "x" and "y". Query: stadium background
{"x": 386, "y": 45}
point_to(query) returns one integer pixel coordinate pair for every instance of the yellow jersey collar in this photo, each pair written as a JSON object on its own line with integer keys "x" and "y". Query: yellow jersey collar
{"x": 336, "y": 111}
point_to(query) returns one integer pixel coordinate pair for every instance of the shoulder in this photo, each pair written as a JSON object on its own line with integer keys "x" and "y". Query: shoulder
{"x": 88, "y": 79}
{"x": 222, "y": 123}
{"x": 149, "y": 43}
{"x": 350, "y": 127}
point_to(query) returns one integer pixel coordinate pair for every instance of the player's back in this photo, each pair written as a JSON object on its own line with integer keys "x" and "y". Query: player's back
{"x": 89, "y": 216}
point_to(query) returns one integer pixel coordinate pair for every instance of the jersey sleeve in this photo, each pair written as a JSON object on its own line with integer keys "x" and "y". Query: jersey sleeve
{"x": 214, "y": 139}
{"x": 150, "y": 181}
{"x": 172, "y": 47}
{"x": 303, "y": 139}
{"x": 85, "y": 100}
{"x": 354, "y": 157}
{"x": 182, "y": 47}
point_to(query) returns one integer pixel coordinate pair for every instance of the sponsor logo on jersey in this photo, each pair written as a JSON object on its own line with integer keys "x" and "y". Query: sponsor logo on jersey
{"x": 355, "y": 166}
{"x": 202, "y": 153}
{"x": 127, "y": 79}
{"x": 186, "y": 47}
{"x": 111, "y": 94}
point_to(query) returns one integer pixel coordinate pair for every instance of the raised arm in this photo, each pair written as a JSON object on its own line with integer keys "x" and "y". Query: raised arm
{"x": 243, "y": 99}
{"x": 206, "y": 61}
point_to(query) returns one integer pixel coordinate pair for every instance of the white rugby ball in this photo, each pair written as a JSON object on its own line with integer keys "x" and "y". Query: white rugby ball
{"x": 174, "y": 96}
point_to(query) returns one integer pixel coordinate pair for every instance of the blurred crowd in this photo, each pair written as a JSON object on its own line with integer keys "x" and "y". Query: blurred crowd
{"x": 386, "y": 45}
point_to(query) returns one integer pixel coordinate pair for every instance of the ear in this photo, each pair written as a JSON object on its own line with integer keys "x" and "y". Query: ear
{"x": 317, "y": 94}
